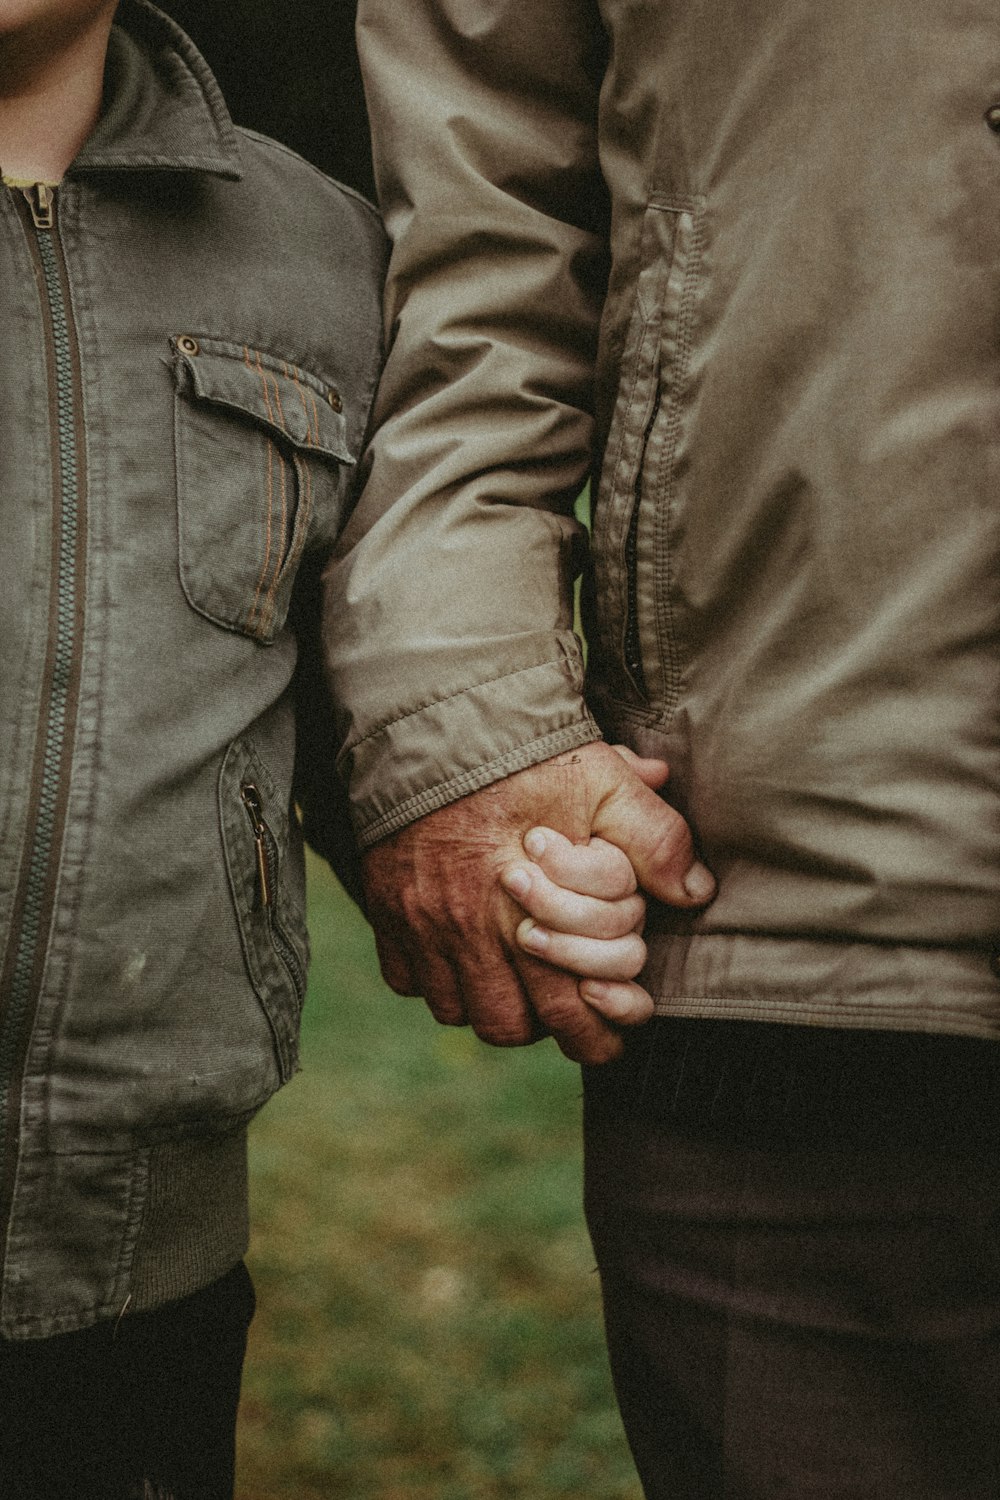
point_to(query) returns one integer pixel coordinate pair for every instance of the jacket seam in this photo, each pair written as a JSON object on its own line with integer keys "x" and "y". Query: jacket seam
{"x": 808, "y": 1009}
{"x": 668, "y": 645}
{"x": 409, "y": 713}
{"x": 268, "y": 142}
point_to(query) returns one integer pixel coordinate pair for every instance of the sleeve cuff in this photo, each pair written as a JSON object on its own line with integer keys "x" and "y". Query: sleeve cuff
{"x": 447, "y": 749}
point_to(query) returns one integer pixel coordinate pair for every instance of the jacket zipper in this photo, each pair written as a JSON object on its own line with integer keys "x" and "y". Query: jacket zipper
{"x": 34, "y": 897}
{"x": 633, "y": 638}
{"x": 266, "y": 849}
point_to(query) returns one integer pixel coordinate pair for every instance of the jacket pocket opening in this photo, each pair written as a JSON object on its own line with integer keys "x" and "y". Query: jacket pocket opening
{"x": 267, "y": 857}
{"x": 263, "y": 855}
{"x": 635, "y": 645}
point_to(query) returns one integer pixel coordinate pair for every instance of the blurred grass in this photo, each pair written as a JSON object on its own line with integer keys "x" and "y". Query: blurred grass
{"x": 429, "y": 1320}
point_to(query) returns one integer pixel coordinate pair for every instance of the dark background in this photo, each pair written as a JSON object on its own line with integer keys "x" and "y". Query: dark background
{"x": 289, "y": 68}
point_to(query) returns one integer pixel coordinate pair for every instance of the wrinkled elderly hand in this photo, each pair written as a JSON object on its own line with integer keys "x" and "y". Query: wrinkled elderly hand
{"x": 446, "y": 929}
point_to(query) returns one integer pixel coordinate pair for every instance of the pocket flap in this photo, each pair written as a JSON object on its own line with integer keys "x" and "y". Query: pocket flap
{"x": 278, "y": 395}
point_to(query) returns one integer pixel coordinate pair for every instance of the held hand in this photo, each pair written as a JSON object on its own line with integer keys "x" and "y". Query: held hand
{"x": 584, "y": 915}
{"x": 446, "y": 930}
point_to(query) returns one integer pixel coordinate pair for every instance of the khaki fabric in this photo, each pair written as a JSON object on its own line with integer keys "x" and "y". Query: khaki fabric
{"x": 743, "y": 261}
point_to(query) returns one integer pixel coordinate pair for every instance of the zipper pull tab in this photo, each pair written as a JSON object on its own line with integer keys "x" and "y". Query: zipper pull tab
{"x": 251, "y": 801}
{"x": 42, "y": 201}
{"x": 263, "y": 871}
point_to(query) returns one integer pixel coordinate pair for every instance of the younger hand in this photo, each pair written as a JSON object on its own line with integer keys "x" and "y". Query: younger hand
{"x": 585, "y": 915}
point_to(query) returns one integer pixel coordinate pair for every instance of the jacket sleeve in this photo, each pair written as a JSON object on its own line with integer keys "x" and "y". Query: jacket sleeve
{"x": 452, "y": 655}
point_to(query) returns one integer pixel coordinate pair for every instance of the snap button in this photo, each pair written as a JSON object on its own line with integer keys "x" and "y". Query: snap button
{"x": 187, "y": 345}
{"x": 334, "y": 396}
{"x": 992, "y": 118}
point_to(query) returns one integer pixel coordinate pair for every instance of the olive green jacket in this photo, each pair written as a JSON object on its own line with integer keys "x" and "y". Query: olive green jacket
{"x": 190, "y": 342}
{"x": 742, "y": 259}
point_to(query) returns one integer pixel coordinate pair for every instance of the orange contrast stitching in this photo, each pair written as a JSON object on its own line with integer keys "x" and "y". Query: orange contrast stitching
{"x": 304, "y": 469}
{"x": 294, "y": 375}
{"x": 270, "y": 498}
{"x": 270, "y": 596}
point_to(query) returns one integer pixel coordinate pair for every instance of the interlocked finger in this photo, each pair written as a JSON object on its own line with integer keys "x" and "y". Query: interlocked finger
{"x": 440, "y": 987}
{"x": 594, "y": 958}
{"x": 564, "y": 910}
{"x": 495, "y": 999}
{"x": 595, "y": 868}
{"x": 397, "y": 970}
{"x": 622, "y": 1003}
{"x": 578, "y": 1028}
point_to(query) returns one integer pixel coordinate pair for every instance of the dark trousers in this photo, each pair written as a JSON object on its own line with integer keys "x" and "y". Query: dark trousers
{"x": 798, "y": 1235}
{"x": 145, "y": 1410}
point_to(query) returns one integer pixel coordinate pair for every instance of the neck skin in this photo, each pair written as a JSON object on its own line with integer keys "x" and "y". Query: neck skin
{"x": 51, "y": 85}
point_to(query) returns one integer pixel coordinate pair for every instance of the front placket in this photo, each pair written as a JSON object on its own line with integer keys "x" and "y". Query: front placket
{"x": 24, "y": 960}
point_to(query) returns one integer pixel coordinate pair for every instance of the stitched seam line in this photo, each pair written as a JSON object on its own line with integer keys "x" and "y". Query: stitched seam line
{"x": 294, "y": 377}
{"x": 342, "y": 187}
{"x": 571, "y": 737}
{"x": 616, "y": 479}
{"x": 270, "y": 597}
{"x": 304, "y": 470}
{"x": 820, "y": 1011}
{"x": 312, "y": 426}
{"x": 299, "y": 529}
{"x": 666, "y": 498}
{"x": 409, "y": 713}
{"x": 270, "y": 494}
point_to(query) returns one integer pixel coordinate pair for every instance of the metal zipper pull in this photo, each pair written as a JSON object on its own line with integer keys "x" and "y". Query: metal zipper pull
{"x": 252, "y": 803}
{"x": 41, "y": 199}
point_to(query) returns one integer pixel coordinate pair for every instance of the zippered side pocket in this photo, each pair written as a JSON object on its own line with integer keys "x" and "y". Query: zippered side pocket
{"x": 635, "y": 647}
{"x": 264, "y": 861}
{"x": 266, "y": 852}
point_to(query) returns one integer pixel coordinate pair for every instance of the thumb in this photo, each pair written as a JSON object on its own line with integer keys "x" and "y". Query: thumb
{"x": 658, "y": 842}
{"x": 653, "y": 772}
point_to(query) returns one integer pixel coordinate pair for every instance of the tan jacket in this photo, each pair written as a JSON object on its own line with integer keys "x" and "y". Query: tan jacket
{"x": 795, "y": 541}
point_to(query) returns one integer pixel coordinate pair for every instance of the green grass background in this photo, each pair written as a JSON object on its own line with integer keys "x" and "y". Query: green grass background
{"x": 428, "y": 1322}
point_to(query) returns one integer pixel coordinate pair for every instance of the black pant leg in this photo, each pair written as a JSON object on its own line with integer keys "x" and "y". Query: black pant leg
{"x": 145, "y": 1407}
{"x": 797, "y": 1233}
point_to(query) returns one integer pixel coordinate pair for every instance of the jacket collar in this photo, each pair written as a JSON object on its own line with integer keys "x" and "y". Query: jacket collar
{"x": 163, "y": 110}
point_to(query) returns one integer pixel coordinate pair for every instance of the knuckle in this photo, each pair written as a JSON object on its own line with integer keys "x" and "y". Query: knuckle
{"x": 673, "y": 843}
{"x": 542, "y": 901}
{"x": 673, "y": 836}
{"x": 409, "y": 909}
{"x": 496, "y": 1009}
{"x": 618, "y": 872}
{"x": 613, "y": 923}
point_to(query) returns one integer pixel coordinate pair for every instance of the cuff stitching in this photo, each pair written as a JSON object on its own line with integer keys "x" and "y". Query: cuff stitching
{"x": 582, "y": 732}
{"x": 552, "y": 661}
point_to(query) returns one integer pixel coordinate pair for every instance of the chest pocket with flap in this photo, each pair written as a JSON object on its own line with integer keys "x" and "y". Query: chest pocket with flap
{"x": 262, "y": 467}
